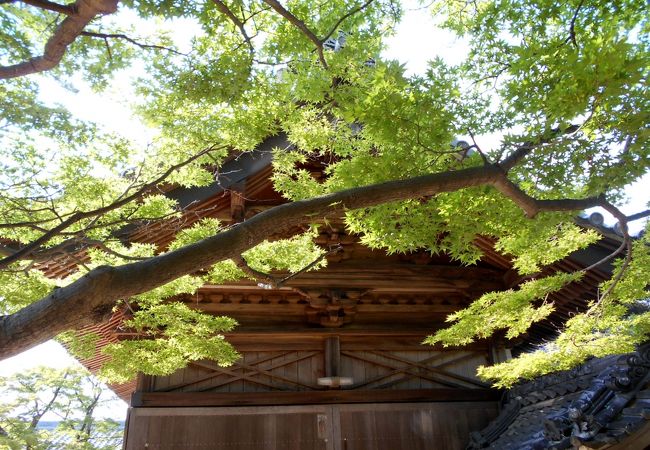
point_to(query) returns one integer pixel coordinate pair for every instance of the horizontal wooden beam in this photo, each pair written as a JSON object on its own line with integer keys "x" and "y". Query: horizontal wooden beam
{"x": 186, "y": 399}
{"x": 351, "y": 339}
{"x": 387, "y": 278}
{"x": 299, "y": 310}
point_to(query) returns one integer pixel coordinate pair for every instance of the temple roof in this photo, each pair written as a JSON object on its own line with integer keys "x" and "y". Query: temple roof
{"x": 604, "y": 403}
{"x": 244, "y": 189}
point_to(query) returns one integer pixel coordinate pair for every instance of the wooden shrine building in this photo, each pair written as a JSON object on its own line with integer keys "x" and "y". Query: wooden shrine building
{"x": 334, "y": 360}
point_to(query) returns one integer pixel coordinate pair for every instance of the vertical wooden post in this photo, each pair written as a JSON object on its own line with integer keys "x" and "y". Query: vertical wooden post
{"x": 498, "y": 352}
{"x": 237, "y": 206}
{"x": 144, "y": 383}
{"x": 332, "y": 356}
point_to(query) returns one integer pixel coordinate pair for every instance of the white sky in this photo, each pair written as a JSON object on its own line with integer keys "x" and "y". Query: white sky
{"x": 417, "y": 41}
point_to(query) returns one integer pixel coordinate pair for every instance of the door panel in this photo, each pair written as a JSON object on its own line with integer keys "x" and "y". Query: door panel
{"x": 268, "y": 428}
{"x": 421, "y": 426}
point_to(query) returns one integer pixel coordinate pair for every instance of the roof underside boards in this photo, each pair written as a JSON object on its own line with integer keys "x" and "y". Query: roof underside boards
{"x": 106, "y": 333}
{"x": 599, "y": 405}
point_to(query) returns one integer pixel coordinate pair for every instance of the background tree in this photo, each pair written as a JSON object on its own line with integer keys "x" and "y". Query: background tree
{"x": 69, "y": 396}
{"x": 565, "y": 85}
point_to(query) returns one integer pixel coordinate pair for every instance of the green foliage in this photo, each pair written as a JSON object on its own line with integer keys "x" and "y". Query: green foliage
{"x": 534, "y": 69}
{"x": 223, "y": 272}
{"x": 200, "y": 230}
{"x": 611, "y": 331}
{"x": 172, "y": 334}
{"x": 291, "y": 255}
{"x": 615, "y": 323}
{"x": 19, "y": 289}
{"x": 183, "y": 285}
{"x": 81, "y": 346}
{"x": 70, "y": 396}
{"x": 511, "y": 310}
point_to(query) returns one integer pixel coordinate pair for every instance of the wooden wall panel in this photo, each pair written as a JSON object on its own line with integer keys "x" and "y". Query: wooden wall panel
{"x": 369, "y": 365}
{"x": 397, "y": 426}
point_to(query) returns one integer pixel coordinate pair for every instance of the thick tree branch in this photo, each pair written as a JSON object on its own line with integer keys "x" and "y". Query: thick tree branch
{"x": 301, "y": 26}
{"x": 639, "y": 215}
{"x": 67, "y": 31}
{"x": 54, "y": 7}
{"x": 78, "y": 216}
{"x": 532, "y": 206}
{"x": 92, "y": 297}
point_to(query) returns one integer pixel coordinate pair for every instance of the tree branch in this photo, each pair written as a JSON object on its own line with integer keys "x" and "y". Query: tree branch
{"x": 256, "y": 275}
{"x": 223, "y": 9}
{"x": 270, "y": 280}
{"x": 78, "y": 216}
{"x": 350, "y": 13}
{"x": 301, "y": 26}
{"x": 524, "y": 150}
{"x": 639, "y": 215}
{"x": 129, "y": 39}
{"x": 68, "y": 10}
{"x": 92, "y": 297}
{"x": 572, "y": 26}
{"x": 67, "y": 31}
{"x": 532, "y": 206}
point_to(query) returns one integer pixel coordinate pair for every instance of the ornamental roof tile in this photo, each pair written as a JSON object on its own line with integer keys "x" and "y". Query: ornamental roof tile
{"x": 594, "y": 406}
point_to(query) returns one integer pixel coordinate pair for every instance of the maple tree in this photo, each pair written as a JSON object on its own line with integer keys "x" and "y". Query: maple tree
{"x": 70, "y": 397}
{"x": 564, "y": 85}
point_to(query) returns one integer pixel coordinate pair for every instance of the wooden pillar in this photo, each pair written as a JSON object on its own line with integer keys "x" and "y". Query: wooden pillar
{"x": 332, "y": 356}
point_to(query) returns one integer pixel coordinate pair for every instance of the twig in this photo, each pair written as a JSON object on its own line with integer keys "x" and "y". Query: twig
{"x": 270, "y": 280}
{"x": 344, "y": 17}
{"x": 106, "y": 36}
{"x": 572, "y": 30}
{"x": 523, "y": 150}
{"x": 485, "y": 159}
{"x": 301, "y": 26}
{"x": 221, "y": 6}
{"x": 336, "y": 249}
{"x": 626, "y": 244}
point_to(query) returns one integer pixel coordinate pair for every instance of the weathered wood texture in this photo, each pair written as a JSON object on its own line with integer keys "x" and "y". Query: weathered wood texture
{"x": 370, "y": 364}
{"x": 399, "y": 426}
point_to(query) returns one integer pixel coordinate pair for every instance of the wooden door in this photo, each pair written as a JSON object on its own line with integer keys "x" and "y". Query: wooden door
{"x": 389, "y": 426}
{"x": 409, "y": 426}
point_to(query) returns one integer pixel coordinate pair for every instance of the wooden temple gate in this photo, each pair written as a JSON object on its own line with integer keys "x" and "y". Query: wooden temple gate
{"x": 333, "y": 359}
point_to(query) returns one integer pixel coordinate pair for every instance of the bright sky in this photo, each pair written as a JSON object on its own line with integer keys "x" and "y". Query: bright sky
{"x": 416, "y": 42}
